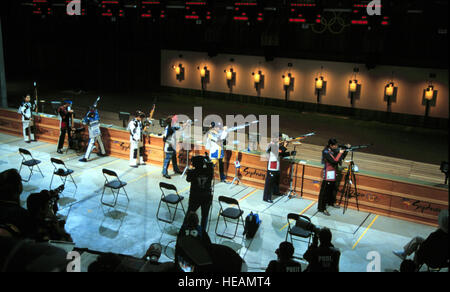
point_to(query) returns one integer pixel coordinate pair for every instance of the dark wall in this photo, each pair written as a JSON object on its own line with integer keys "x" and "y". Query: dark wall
{"x": 93, "y": 52}
{"x": 81, "y": 52}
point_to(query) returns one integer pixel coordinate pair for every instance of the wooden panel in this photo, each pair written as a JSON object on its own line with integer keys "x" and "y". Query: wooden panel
{"x": 394, "y": 198}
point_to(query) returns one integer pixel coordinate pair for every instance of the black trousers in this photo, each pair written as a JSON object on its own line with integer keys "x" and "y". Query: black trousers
{"x": 272, "y": 185}
{"x": 222, "y": 175}
{"x": 62, "y": 136}
{"x": 327, "y": 195}
{"x": 204, "y": 203}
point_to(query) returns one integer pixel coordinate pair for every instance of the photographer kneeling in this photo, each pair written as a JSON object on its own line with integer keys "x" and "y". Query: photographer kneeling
{"x": 201, "y": 187}
{"x": 41, "y": 207}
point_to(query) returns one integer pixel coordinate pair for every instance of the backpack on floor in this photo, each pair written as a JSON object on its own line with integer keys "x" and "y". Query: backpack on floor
{"x": 251, "y": 225}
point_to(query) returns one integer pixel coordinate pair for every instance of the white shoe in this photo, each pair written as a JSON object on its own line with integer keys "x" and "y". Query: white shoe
{"x": 400, "y": 254}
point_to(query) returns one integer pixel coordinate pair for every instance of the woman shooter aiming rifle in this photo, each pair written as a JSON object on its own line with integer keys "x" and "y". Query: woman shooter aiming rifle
{"x": 332, "y": 156}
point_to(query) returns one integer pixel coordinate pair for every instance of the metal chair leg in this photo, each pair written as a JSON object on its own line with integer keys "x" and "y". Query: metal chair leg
{"x": 40, "y": 170}
{"x": 235, "y": 231}
{"x": 116, "y": 195}
{"x": 170, "y": 213}
{"x": 217, "y": 224}
{"x": 162, "y": 219}
{"x": 176, "y": 208}
{"x": 29, "y": 177}
{"x": 222, "y": 235}
{"x": 157, "y": 212}
{"x": 175, "y": 213}
{"x": 20, "y": 168}
{"x": 50, "y": 187}
{"x": 101, "y": 199}
{"x": 108, "y": 204}
{"x": 126, "y": 194}
{"x": 73, "y": 181}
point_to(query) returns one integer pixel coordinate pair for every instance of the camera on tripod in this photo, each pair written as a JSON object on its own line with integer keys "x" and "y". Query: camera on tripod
{"x": 53, "y": 197}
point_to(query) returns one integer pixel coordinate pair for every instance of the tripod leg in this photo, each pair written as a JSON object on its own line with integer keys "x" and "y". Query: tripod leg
{"x": 356, "y": 191}
{"x": 187, "y": 164}
{"x": 344, "y": 188}
{"x": 291, "y": 190}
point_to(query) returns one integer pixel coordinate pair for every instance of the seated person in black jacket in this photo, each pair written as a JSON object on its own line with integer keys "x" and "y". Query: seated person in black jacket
{"x": 194, "y": 251}
{"x": 433, "y": 250}
{"x": 323, "y": 258}
{"x": 285, "y": 263}
{"x": 193, "y": 244}
{"x": 11, "y": 213}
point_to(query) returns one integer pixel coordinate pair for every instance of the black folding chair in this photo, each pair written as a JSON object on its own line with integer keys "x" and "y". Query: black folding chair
{"x": 432, "y": 267}
{"x": 229, "y": 212}
{"x": 30, "y": 163}
{"x": 170, "y": 200}
{"x": 432, "y": 255}
{"x": 114, "y": 184}
{"x": 62, "y": 171}
{"x": 302, "y": 228}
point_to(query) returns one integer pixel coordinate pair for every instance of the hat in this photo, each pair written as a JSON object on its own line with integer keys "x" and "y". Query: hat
{"x": 443, "y": 220}
{"x": 139, "y": 114}
{"x": 285, "y": 250}
{"x": 332, "y": 141}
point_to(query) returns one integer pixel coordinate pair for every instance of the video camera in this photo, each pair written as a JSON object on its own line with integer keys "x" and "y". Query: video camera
{"x": 52, "y": 225}
{"x": 53, "y": 197}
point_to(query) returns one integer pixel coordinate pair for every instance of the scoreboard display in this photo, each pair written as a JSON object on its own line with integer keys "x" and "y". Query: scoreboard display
{"x": 152, "y": 9}
{"x": 304, "y": 11}
{"x": 75, "y": 7}
{"x": 196, "y": 10}
{"x": 365, "y": 12}
{"x": 250, "y": 10}
{"x": 41, "y": 7}
{"x": 111, "y": 8}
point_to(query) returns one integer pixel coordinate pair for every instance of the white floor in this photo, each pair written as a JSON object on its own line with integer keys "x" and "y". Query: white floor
{"x": 131, "y": 227}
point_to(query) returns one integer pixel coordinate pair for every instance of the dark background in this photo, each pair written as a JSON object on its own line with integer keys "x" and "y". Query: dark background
{"x": 99, "y": 53}
{"x": 82, "y": 57}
